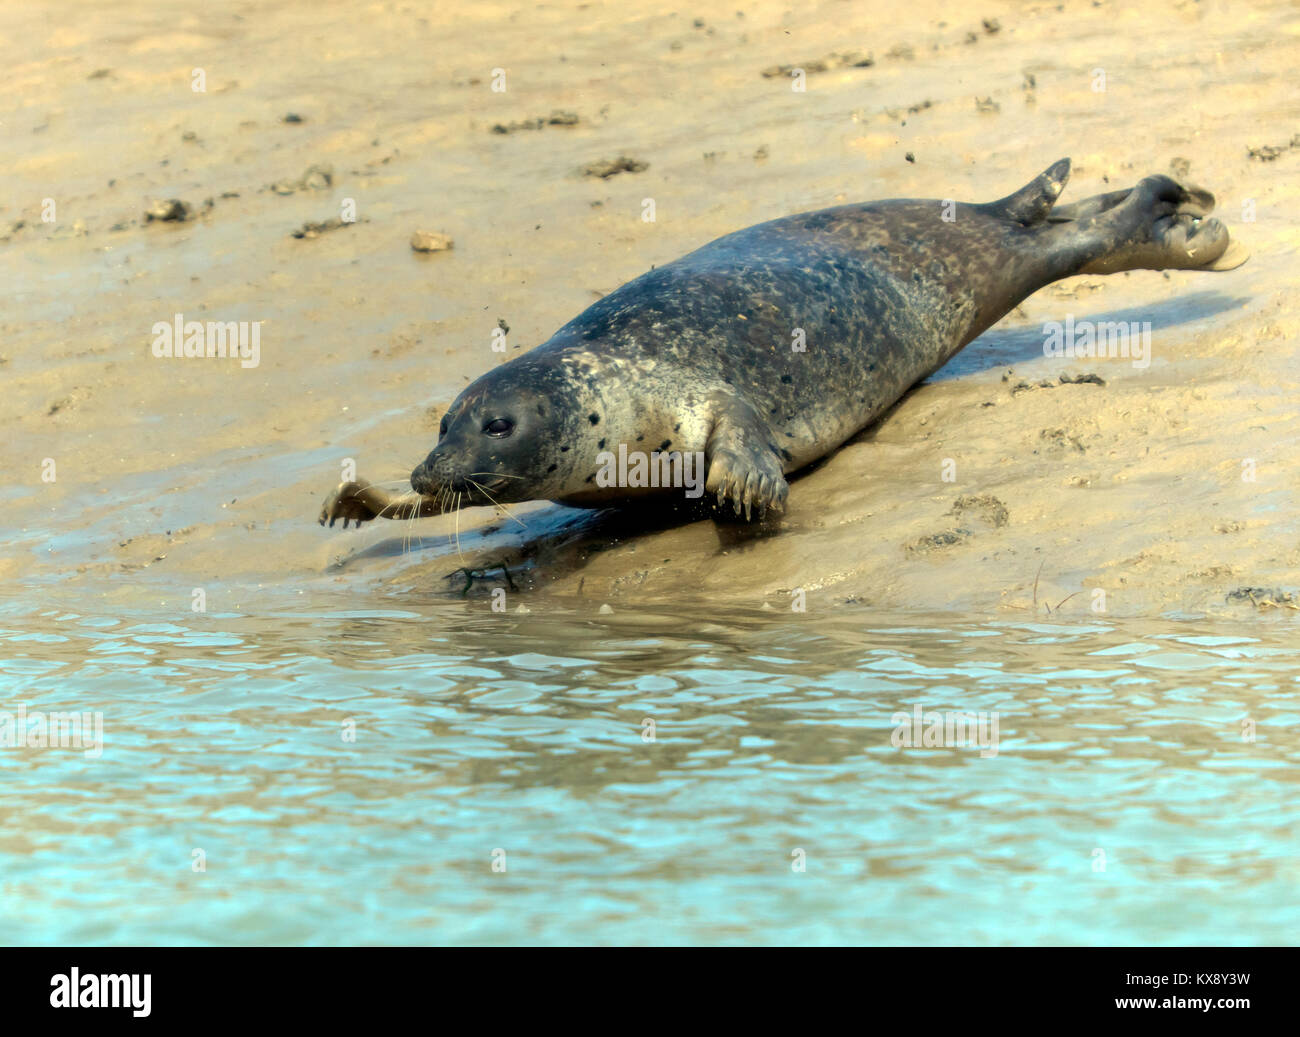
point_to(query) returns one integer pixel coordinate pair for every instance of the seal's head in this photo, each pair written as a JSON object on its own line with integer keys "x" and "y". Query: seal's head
{"x": 510, "y": 436}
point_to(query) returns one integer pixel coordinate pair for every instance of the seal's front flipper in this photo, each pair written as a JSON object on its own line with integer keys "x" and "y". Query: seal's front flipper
{"x": 360, "y": 502}
{"x": 351, "y": 502}
{"x": 743, "y": 465}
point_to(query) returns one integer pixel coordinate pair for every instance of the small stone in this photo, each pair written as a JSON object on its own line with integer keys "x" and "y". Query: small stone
{"x": 315, "y": 230}
{"x": 622, "y": 164}
{"x": 430, "y": 241}
{"x": 172, "y": 210}
{"x": 318, "y": 178}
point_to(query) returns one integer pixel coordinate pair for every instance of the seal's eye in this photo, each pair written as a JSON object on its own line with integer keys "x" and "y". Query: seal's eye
{"x": 499, "y": 428}
{"x": 442, "y": 429}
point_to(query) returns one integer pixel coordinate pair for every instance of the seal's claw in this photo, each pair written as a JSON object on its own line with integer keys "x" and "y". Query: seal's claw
{"x": 765, "y": 497}
{"x": 751, "y": 480}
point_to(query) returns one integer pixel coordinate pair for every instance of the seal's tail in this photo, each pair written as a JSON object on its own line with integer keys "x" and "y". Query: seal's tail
{"x": 1158, "y": 225}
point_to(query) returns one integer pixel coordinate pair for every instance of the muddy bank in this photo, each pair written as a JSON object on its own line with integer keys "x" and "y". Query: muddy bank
{"x": 1168, "y": 487}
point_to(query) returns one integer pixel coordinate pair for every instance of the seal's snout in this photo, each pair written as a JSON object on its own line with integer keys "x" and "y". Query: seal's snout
{"x": 431, "y": 474}
{"x": 422, "y": 480}
{"x": 437, "y": 472}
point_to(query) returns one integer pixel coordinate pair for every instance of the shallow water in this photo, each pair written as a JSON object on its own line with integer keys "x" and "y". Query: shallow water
{"x": 1120, "y": 741}
{"x": 476, "y": 732}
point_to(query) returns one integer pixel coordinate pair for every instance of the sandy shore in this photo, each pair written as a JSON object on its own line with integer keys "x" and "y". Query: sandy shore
{"x": 1169, "y": 487}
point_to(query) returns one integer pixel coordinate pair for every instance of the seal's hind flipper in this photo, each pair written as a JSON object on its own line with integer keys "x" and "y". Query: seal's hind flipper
{"x": 1032, "y": 203}
{"x": 1193, "y": 201}
{"x": 1158, "y": 225}
{"x": 1093, "y": 206}
{"x": 1234, "y": 256}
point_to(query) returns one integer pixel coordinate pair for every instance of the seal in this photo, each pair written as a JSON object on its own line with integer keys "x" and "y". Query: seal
{"x": 766, "y": 349}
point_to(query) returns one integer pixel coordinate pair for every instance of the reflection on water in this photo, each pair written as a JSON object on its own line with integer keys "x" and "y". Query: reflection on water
{"x": 1123, "y": 804}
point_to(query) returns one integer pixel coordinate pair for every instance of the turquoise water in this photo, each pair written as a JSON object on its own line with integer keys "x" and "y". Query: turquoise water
{"x": 478, "y": 732}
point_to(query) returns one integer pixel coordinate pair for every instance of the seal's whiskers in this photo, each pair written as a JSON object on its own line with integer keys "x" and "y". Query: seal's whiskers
{"x": 496, "y": 503}
{"x": 458, "y": 552}
{"x": 410, "y": 525}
